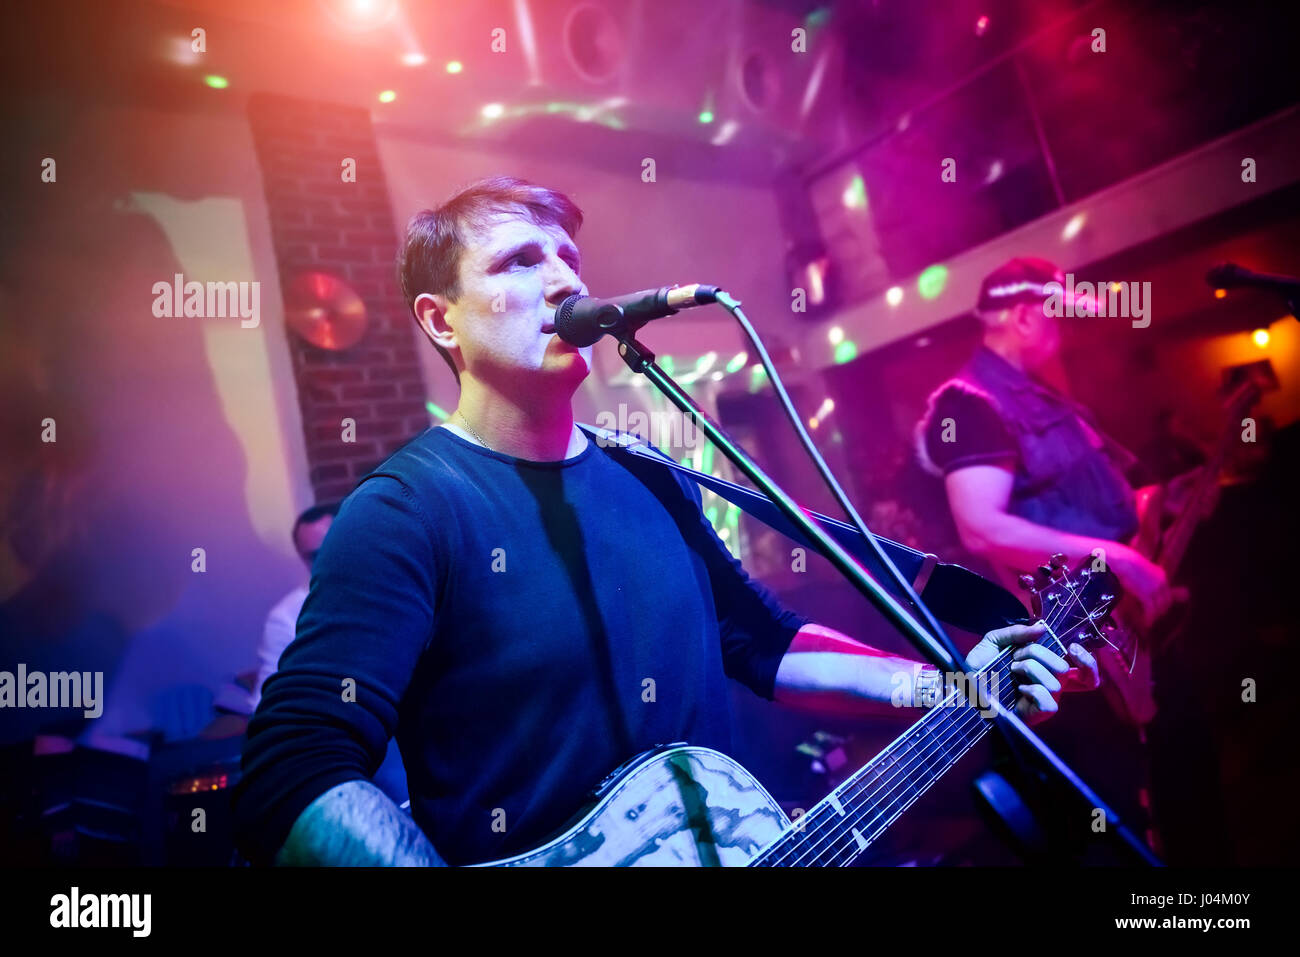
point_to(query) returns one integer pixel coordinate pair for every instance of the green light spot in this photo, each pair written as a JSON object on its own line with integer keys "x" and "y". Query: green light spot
{"x": 436, "y": 411}
{"x": 216, "y": 82}
{"x": 855, "y": 196}
{"x": 931, "y": 282}
{"x": 846, "y": 351}
{"x": 818, "y": 17}
{"x": 706, "y": 116}
{"x": 666, "y": 363}
{"x": 706, "y": 460}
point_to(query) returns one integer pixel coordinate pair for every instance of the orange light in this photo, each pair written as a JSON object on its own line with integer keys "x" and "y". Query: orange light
{"x": 1220, "y": 293}
{"x": 1260, "y": 337}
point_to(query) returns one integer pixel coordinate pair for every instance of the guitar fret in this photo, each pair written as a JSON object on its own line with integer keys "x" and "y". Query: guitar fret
{"x": 868, "y": 802}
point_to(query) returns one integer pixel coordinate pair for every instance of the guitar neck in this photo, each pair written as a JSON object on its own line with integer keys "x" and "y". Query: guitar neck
{"x": 837, "y": 829}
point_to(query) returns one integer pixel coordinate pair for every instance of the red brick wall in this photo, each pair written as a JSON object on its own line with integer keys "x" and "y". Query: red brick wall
{"x": 320, "y": 222}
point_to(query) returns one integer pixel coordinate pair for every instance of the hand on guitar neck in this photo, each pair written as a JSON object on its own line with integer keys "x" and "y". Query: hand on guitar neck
{"x": 1142, "y": 579}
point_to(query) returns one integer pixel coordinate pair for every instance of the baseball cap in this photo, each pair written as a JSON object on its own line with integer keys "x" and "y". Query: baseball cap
{"x": 1022, "y": 279}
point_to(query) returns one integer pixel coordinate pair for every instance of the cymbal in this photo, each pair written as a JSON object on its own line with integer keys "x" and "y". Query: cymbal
{"x": 324, "y": 310}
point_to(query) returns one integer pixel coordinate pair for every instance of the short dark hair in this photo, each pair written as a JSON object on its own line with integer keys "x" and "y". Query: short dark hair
{"x": 312, "y": 515}
{"x": 429, "y": 260}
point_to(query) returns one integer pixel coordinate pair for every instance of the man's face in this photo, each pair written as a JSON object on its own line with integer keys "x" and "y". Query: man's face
{"x": 513, "y": 275}
{"x": 309, "y": 537}
{"x": 1040, "y": 334}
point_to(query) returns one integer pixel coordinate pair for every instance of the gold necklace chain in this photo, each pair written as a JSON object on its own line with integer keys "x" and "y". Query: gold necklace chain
{"x": 471, "y": 430}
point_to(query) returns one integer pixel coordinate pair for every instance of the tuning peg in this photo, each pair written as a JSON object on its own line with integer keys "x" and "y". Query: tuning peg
{"x": 1058, "y": 560}
{"x": 1027, "y": 583}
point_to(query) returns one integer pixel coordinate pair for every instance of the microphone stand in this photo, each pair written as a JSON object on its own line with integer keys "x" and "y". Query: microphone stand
{"x": 936, "y": 647}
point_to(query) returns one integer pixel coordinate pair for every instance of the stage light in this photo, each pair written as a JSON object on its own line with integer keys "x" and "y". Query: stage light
{"x": 815, "y": 276}
{"x": 454, "y": 66}
{"x": 836, "y": 335}
{"x": 981, "y": 26}
{"x": 737, "y": 362}
{"x": 1260, "y": 337}
{"x": 387, "y": 96}
{"x": 361, "y": 15}
{"x": 706, "y": 116}
{"x": 182, "y": 51}
{"x": 1220, "y": 293}
{"x": 216, "y": 82}
{"x": 931, "y": 282}
{"x": 846, "y": 351}
{"x": 717, "y": 376}
{"x": 493, "y": 111}
{"x": 894, "y": 296}
{"x": 855, "y": 194}
{"x": 414, "y": 59}
{"x": 1073, "y": 226}
{"x": 725, "y": 133}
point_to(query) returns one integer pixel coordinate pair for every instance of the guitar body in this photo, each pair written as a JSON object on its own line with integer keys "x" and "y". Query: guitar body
{"x": 683, "y": 806}
{"x": 680, "y": 807}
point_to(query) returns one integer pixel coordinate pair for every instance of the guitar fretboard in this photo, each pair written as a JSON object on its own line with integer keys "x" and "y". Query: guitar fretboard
{"x": 842, "y": 825}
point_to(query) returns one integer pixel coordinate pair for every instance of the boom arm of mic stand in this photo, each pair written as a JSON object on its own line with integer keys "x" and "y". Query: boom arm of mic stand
{"x": 641, "y": 359}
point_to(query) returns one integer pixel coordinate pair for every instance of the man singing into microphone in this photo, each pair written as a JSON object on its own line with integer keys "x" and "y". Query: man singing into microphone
{"x": 501, "y": 593}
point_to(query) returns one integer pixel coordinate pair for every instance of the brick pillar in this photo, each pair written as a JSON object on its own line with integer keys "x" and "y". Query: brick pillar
{"x": 320, "y": 222}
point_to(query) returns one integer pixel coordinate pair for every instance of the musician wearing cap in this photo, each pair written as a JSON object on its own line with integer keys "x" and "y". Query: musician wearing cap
{"x": 519, "y": 608}
{"x": 1028, "y": 472}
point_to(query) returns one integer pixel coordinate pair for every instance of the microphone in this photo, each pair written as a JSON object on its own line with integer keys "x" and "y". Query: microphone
{"x": 1230, "y": 275}
{"x": 581, "y": 320}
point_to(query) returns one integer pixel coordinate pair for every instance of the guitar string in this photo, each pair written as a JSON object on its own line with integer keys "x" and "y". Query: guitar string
{"x": 962, "y": 727}
{"x": 869, "y": 792}
{"x": 935, "y": 741}
{"x": 852, "y": 853}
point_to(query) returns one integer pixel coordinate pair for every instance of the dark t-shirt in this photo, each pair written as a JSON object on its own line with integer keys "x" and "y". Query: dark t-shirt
{"x": 524, "y": 628}
{"x": 964, "y": 430}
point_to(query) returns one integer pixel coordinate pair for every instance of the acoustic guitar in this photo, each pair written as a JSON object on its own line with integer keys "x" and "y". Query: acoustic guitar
{"x": 678, "y": 805}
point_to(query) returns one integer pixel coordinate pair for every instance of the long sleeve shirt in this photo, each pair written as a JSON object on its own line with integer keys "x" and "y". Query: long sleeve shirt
{"x": 522, "y": 627}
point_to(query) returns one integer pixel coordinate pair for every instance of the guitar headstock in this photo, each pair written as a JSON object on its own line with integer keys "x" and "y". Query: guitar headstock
{"x": 1075, "y": 604}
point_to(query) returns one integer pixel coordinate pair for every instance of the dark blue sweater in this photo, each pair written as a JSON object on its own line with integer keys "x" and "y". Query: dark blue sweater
{"x": 523, "y": 627}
